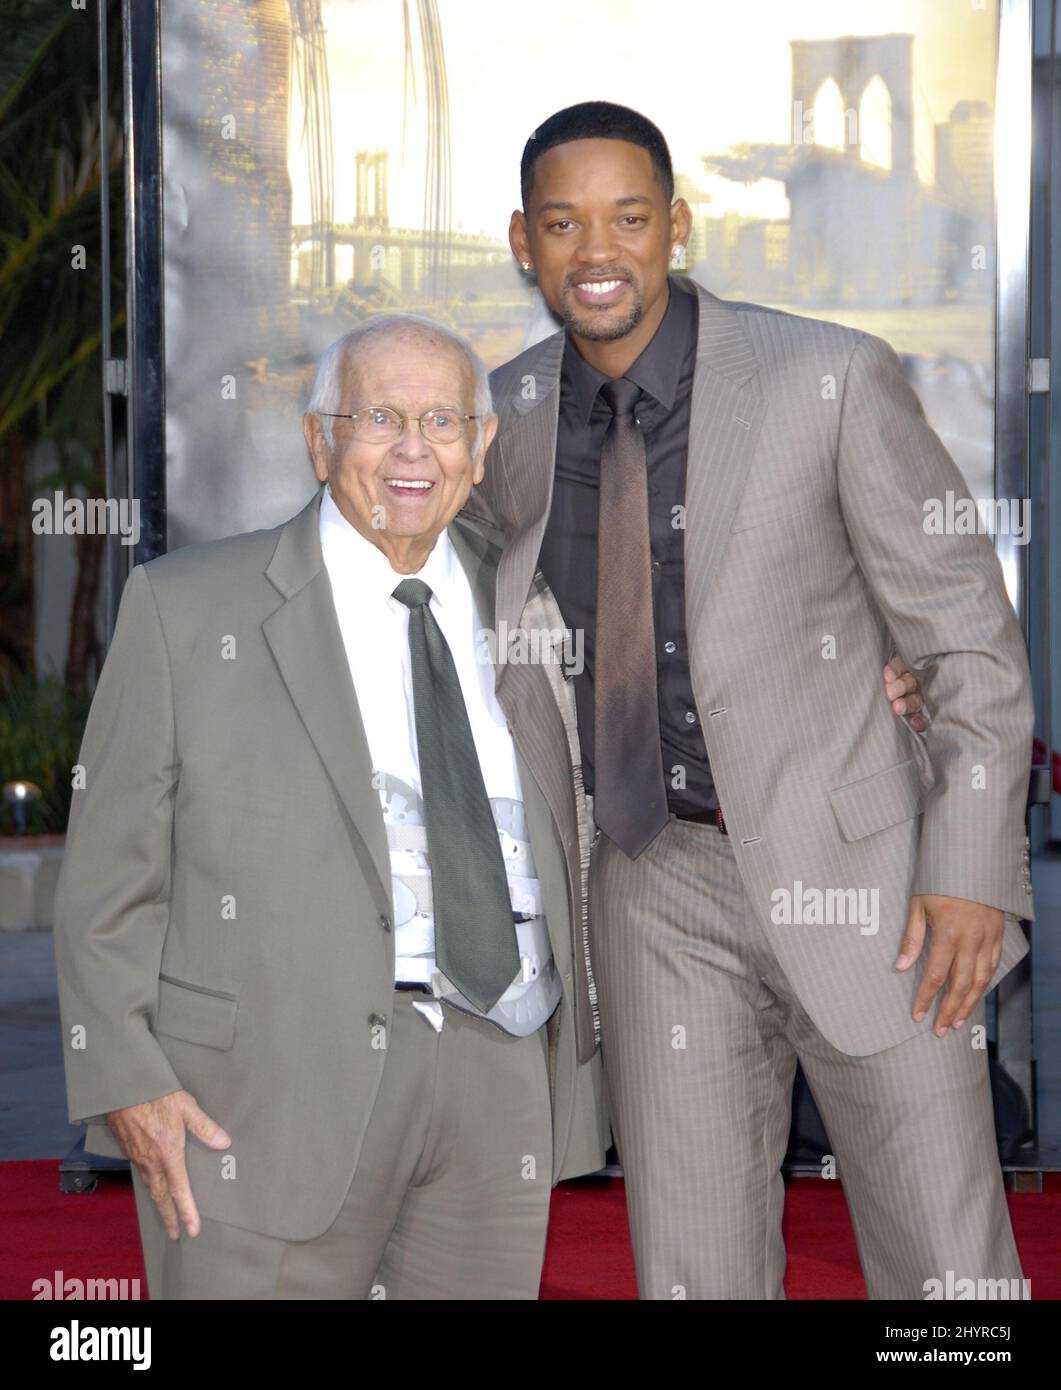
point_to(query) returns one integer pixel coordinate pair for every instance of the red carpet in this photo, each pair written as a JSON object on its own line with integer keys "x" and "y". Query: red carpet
{"x": 94, "y": 1236}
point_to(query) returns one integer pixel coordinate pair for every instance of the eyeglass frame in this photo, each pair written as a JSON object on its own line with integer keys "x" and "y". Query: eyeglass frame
{"x": 403, "y": 420}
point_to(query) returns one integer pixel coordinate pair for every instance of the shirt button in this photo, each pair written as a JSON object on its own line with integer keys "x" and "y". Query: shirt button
{"x": 690, "y": 717}
{"x": 384, "y": 921}
{"x": 670, "y": 647}
{"x": 655, "y": 567}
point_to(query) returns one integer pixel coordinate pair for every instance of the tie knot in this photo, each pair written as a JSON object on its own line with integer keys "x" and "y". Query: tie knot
{"x": 414, "y": 593}
{"x": 620, "y": 395}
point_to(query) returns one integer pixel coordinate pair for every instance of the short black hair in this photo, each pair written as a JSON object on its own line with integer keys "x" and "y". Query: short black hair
{"x": 597, "y": 120}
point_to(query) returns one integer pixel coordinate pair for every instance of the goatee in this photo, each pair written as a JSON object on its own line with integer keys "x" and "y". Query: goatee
{"x": 598, "y": 328}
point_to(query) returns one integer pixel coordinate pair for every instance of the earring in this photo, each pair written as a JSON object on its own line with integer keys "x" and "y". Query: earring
{"x": 677, "y": 256}
{"x": 525, "y": 264}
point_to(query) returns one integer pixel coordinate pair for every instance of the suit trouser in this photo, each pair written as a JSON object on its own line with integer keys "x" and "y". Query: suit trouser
{"x": 701, "y": 1033}
{"x": 450, "y": 1198}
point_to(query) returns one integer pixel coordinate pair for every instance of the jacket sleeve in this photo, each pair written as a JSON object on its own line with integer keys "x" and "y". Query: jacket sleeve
{"x": 945, "y": 603}
{"x": 112, "y": 899}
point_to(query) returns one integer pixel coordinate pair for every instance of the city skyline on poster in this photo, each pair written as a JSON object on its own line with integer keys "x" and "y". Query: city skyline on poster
{"x": 328, "y": 160}
{"x": 783, "y": 150}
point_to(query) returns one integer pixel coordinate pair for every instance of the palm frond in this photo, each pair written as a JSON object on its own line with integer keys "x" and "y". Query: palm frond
{"x": 30, "y": 28}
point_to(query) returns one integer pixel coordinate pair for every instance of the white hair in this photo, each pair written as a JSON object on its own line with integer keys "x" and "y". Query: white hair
{"x": 326, "y": 392}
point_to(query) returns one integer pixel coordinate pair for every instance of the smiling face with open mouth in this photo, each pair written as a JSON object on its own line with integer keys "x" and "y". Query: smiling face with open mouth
{"x": 598, "y": 230}
{"x": 401, "y": 493}
{"x": 587, "y": 300}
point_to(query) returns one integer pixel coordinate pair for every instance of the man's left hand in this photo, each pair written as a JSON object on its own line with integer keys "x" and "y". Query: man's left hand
{"x": 966, "y": 948}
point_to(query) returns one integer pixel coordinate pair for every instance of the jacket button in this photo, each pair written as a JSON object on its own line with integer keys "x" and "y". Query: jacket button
{"x": 384, "y": 921}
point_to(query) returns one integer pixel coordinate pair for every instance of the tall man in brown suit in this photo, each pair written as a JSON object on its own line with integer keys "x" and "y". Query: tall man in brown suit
{"x": 729, "y": 501}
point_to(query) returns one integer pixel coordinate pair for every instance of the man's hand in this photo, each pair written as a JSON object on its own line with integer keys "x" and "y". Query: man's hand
{"x": 966, "y": 946}
{"x": 902, "y": 689}
{"x": 152, "y": 1137}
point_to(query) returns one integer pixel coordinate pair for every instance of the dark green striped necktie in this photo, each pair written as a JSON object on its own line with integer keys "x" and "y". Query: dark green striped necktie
{"x": 475, "y": 935}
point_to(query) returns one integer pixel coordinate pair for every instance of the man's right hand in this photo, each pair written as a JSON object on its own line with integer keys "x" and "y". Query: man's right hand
{"x": 152, "y": 1137}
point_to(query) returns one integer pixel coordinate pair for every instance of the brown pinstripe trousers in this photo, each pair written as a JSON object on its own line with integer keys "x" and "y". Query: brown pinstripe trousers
{"x": 701, "y": 1032}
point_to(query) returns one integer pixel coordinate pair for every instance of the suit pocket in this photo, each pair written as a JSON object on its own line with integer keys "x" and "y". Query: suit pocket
{"x": 771, "y": 498}
{"x": 764, "y": 511}
{"x": 196, "y": 1014}
{"x": 873, "y": 803}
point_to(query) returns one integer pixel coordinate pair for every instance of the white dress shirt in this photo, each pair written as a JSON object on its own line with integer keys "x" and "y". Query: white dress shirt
{"x": 374, "y": 627}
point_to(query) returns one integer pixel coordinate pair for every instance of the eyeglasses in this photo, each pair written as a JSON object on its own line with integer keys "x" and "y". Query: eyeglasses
{"x": 378, "y": 424}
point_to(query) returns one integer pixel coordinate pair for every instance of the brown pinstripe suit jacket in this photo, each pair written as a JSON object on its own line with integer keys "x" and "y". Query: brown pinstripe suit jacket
{"x": 809, "y": 464}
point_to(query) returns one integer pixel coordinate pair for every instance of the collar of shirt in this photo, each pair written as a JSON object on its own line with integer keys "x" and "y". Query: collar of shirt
{"x": 657, "y": 370}
{"x": 367, "y": 566}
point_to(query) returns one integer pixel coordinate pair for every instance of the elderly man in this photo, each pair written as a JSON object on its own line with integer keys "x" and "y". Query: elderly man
{"x": 320, "y": 927}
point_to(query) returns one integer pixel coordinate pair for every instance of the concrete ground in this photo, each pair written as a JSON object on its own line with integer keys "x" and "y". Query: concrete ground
{"x": 33, "y": 1120}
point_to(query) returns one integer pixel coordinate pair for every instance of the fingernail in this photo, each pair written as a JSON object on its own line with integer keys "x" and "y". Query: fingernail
{"x": 941, "y": 1032}
{"x": 958, "y": 1022}
{"x": 903, "y": 962}
{"x": 919, "y": 1016}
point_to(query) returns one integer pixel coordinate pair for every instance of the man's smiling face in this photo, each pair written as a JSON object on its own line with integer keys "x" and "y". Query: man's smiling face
{"x": 400, "y": 495}
{"x": 599, "y": 231}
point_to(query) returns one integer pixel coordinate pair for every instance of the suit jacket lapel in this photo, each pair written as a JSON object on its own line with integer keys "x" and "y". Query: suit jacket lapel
{"x": 477, "y": 549}
{"x": 527, "y": 450}
{"x": 727, "y": 413}
{"x": 534, "y": 698}
{"x": 527, "y": 695}
{"x": 307, "y": 644}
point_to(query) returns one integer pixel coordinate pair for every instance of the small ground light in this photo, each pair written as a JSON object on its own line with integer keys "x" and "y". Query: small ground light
{"x": 20, "y": 796}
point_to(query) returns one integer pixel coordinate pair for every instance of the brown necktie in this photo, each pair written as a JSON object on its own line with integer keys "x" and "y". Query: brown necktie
{"x": 629, "y": 795}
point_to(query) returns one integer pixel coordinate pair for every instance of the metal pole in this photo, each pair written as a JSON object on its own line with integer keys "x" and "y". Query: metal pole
{"x": 1013, "y": 144}
{"x": 144, "y": 302}
{"x": 111, "y": 379}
